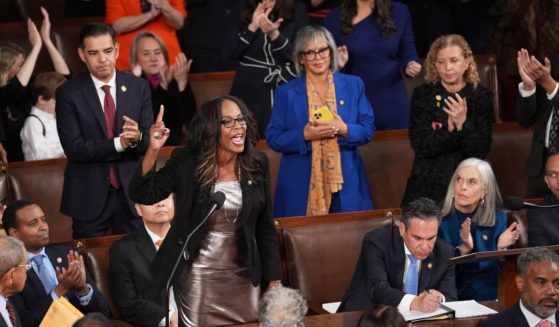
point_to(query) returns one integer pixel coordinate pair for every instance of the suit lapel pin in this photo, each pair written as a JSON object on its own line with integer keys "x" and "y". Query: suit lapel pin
{"x": 342, "y": 102}
{"x": 485, "y": 237}
{"x": 59, "y": 260}
{"x": 123, "y": 88}
{"x": 429, "y": 265}
{"x": 249, "y": 183}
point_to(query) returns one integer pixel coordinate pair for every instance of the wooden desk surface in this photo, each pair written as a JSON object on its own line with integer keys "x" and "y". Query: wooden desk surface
{"x": 350, "y": 319}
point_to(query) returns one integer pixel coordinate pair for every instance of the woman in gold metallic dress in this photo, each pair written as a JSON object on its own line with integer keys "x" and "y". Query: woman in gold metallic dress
{"x": 232, "y": 253}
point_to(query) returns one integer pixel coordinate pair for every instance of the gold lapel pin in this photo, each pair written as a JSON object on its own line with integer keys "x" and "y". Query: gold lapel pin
{"x": 429, "y": 265}
{"x": 249, "y": 182}
{"x": 342, "y": 102}
{"x": 485, "y": 237}
{"x": 59, "y": 260}
{"x": 123, "y": 88}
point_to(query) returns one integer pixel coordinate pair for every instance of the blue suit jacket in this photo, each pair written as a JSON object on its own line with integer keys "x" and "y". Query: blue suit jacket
{"x": 33, "y": 302}
{"x": 476, "y": 280}
{"x": 285, "y": 134}
{"x": 82, "y": 130}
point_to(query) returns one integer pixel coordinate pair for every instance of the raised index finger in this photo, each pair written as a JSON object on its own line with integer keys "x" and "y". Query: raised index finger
{"x": 160, "y": 114}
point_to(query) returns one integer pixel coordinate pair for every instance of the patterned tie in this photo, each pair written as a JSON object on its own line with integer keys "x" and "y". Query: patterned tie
{"x": 545, "y": 323}
{"x": 554, "y": 132}
{"x": 412, "y": 277}
{"x": 11, "y": 313}
{"x": 46, "y": 280}
{"x": 110, "y": 120}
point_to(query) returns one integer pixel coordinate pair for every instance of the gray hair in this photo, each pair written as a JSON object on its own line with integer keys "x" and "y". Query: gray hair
{"x": 536, "y": 254}
{"x": 422, "y": 208}
{"x": 12, "y": 253}
{"x": 282, "y": 307}
{"x": 485, "y": 212}
{"x": 133, "y": 56}
{"x": 304, "y": 37}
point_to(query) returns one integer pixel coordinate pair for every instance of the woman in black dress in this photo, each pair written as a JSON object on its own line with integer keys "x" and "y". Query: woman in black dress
{"x": 450, "y": 118}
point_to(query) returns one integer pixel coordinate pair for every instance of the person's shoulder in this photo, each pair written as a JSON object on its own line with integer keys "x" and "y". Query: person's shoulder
{"x": 295, "y": 83}
{"x": 127, "y": 77}
{"x": 350, "y": 79}
{"x": 75, "y": 83}
{"x": 424, "y": 90}
{"x": 443, "y": 249}
{"x": 379, "y": 234}
{"x": 399, "y": 8}
{"x": 504, "y": 317}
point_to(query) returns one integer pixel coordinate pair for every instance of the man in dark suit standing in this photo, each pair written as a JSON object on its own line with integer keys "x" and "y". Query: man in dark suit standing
{"x": 101, "y": 116}
{"x": 57, "y": 271}
{"x": 538, "y": 103}
{"x": 13, "y": 265}
{"x": 537, "y": 279}
{"x": 141, "y": 302}
{"x": 405, "y": 266}
{"x": 544, "y": 227}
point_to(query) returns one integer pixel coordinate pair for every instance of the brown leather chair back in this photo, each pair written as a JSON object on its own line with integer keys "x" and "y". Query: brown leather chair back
{"x": 96, "y": 255}
{"x": 320, "y": 253}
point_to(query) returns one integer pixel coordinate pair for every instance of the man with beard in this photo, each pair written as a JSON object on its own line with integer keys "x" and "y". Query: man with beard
{"x": 537, "y": 280}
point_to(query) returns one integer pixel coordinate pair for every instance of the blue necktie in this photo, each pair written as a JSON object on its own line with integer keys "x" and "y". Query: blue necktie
{"x": 412, "y": 276}
{"x": 46, "y": 280}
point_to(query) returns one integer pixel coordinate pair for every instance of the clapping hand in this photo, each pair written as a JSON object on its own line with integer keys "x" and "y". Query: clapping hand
{"x": 343, "y": 56}
{"x": 256, "y": 16}
{"x": 509, "y": 236}
{"x": 456, "y": 109}
{"x": 130, "y": 135}
{"x": 532, "y": 71}
{"x": 34, "y": 36}
{"x": 413, "y": 68}
{"x": 267, "y": 26}
{"x": 466, "y": 236}
{"x": 179, "y": 70}
{"x": 45, "y": 27}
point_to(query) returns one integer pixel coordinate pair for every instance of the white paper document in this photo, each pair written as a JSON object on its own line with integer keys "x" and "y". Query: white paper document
{"x": 465, "y": 309}
{"x": 331, "y": 307}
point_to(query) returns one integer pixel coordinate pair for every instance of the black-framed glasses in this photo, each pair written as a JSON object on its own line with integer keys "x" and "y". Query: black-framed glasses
{"x": 26, "y": 266}
{"x": 230, "y": 122}
{"x": 311, "y": 54}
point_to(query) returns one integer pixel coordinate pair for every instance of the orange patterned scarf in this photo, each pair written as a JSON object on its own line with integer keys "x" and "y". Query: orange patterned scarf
{"x": 326, "y": 169}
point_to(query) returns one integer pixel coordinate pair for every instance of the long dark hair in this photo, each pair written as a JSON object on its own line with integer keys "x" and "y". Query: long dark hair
{"x": 382, "y": 15}
{"x": 203, "y": 140}
{"x": 282, "y": 9}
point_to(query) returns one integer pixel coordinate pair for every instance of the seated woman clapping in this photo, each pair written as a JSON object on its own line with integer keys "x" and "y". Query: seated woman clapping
{"x": 472, "y": 223}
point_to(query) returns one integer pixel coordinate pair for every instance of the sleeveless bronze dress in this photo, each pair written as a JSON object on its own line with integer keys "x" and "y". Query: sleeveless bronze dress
{"x": 215, "y": 289}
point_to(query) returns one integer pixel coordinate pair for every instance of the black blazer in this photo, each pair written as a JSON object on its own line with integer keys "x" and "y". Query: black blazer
{"x": 512, "y": 317}
{"x": 543, "y": 226}
{"x": 178, "y": 176}
{"x": 141, "y": 302}
{"x": 32, "y": 303}
{"x": 82, "y": 130}
{"x": 536, "y": 109}
{"x": 378, "y": 277}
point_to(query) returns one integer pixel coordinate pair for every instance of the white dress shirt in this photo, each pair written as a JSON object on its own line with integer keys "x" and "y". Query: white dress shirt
{"x": 101, "y": 94}
{"x": 34, "y": 144}
{"x": 534, "y": 320}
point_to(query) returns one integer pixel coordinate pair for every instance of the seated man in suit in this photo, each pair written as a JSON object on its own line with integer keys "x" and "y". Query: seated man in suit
{"x": 537, "y": 278}
{"x": 141, "y": 302}
{"x": 544, "y": 227}
{"x": 406, "y": 266}
{"x": 57, "y": 271}
{"x": 13, "y": 265}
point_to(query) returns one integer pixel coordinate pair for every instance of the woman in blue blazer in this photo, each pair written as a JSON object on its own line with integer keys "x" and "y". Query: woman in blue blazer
{"x": 471, "y": 223}
{"x": 318, "y": 121}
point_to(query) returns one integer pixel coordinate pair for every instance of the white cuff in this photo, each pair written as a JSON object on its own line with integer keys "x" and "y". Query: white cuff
{"x": 405, "y": 303}
{"x": 523, "y": 92}
{"x": 118, "y": 145}
{"x": 552, "y": 94}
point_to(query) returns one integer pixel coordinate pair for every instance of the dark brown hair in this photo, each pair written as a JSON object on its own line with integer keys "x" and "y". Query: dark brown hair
{"x": 382, "y": 15}
{"x": 45, "y": 85}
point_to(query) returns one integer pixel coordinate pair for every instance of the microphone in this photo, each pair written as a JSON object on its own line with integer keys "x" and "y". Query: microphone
{"x": 216, "y": 201}
{"x": 515, "y": 203}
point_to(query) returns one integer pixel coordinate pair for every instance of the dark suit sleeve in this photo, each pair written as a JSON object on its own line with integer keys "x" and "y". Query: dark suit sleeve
{"x": 134, "y": 307}
{"x": 156, "y": 186}
{"x": 538, "y": 231}
{"x": 76, "y": 147}
{"x": 266, "y": 233}
{"x": 97, "y": 302}
{"x": 475, "y": 136}
{"x": 379, "y": 289}
{"x": 31, "y": 305}
{"x": 447, "y": 283}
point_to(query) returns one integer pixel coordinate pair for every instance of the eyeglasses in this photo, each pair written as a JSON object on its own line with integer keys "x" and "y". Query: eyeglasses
{"x": 25, "y": 266}
{"x": 230, "y": 122}
{"x": 311, "y": 54}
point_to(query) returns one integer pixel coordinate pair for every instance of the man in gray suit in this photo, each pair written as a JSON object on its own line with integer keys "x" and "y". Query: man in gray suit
{"x": 13, "y": 267}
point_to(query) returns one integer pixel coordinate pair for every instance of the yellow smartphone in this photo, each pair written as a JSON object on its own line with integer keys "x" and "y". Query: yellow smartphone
{"x": 322, "y": 114}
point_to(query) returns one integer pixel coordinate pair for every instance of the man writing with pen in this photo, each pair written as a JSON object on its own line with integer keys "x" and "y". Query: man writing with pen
{"x": 405, "y": 266}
